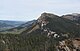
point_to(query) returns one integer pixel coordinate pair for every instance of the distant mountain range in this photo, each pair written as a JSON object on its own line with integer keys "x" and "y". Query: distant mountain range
{"x": 5, "y": 24}
{"x": 18, "y": 27}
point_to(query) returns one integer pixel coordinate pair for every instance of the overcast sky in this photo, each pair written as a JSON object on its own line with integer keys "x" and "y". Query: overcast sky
{"x": 25, "y": 10}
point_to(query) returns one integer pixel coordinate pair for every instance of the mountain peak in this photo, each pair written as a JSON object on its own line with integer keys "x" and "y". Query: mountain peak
{"x": 46, "y": 16}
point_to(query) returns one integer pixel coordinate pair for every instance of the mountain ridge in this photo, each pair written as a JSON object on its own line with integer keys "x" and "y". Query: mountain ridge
{"x": 57, "y": 24}
{"x": 74, "y": 17}
{"x": 48, "y": 33}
